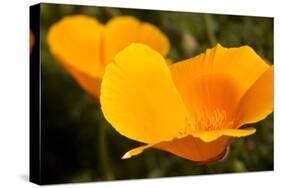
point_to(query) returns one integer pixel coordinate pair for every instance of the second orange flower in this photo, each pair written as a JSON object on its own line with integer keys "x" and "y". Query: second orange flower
{"x": 84, "y": 46}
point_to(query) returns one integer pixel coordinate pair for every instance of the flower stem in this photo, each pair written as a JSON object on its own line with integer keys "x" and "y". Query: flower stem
{"x": 103, "y": 153}
{"x": 209, "y": 22}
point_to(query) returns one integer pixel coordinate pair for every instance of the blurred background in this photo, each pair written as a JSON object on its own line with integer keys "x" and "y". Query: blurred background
{"x": 78, "y": 145}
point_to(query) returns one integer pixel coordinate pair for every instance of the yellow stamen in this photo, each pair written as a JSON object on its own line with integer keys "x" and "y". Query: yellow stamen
{"x": 208, "y": 120}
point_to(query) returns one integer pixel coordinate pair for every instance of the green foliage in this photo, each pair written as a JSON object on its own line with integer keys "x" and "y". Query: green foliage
{"x": 72, "y": 146}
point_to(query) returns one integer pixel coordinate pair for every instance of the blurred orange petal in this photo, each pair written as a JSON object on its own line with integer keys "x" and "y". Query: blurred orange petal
{"x": 84, "y": 46}
{"x": 123, "y": 30}
{"x": 76, "y": 43}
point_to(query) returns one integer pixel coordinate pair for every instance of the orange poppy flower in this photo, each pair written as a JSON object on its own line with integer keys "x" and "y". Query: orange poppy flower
{"x": 84, "y": 46}
{"x": 192, "y": 108}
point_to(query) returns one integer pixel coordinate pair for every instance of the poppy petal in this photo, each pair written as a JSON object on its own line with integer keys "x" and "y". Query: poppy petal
{"x": 195, "y": 149}
{"x": 136, "y": 151}
{"x": 153, "y": 37}
{"x": 257, "y": 103}
{"x": 210, "y": 100}
{"x": 189, "y": 147}
{"x": 241, "y": 64}
{"x": 139, "y": 98}
{"x": 124, "y": 30}
{"x": 89, "y": 83}
{"x": 209, "y": 136}
{"x": 77, "y": 48}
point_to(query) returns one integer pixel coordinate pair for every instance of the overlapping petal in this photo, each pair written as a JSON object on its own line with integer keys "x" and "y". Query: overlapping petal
{"x": 138, "y": 96}
{"x": 257, "y": 102}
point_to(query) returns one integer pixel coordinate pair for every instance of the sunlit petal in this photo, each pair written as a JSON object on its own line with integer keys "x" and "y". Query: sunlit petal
{"x": 138, "y": 96}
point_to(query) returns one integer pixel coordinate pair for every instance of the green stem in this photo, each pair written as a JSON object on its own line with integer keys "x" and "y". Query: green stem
{"x": 209, "y": 22}
{"x": 103, "y": 153}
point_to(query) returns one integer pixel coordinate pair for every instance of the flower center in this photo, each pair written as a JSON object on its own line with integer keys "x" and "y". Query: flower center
{"x": 208, "y": 120}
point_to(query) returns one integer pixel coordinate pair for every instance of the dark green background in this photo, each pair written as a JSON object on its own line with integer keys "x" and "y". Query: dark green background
{"x": 79, "y": 145}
